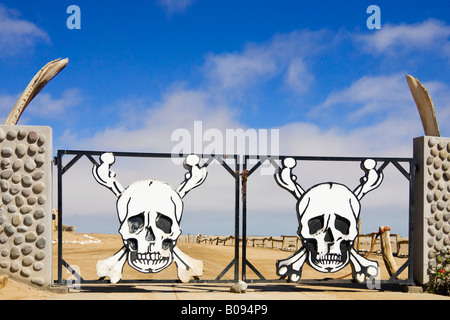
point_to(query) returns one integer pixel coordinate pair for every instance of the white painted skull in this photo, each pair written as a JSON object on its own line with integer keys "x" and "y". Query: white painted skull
{"x": 328, "y": 225}
{"x": 150, "y": 213}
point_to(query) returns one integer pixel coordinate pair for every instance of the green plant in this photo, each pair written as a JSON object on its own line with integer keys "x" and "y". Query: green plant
{"x": 440, "y": 274}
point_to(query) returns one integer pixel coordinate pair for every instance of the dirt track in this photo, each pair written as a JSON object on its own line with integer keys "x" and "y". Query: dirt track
{"x": 82, "y": 251}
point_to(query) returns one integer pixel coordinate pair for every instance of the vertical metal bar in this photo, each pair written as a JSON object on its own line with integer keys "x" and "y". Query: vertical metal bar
{"x": 244, "y": 219}
{"x": 412, "y": 174}
{"x": 60, "y": 213}
{"x": 236, "y": 220}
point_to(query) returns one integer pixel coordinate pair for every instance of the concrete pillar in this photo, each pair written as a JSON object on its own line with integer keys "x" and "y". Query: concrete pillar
{"x": 26, "y": 203}
{"x": 431, "y": 203}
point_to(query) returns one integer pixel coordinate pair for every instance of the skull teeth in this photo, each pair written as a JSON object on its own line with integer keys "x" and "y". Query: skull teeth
{"x": 329, "y": 258}
{"x": 150, "y": 258}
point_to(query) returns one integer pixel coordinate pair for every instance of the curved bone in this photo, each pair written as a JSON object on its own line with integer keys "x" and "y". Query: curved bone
{"x": 195, "y": 177}
{"x": 105, "y": 176}
{"x": 371, "y": 180}
{"x": 186, "y": 266}
{"x": 44, "y": 75}
{"x": 112, "y": 267}
{"x": 362, "y": 269}
{"x": 292, "y": 266}
{"x": 287, "y": 180}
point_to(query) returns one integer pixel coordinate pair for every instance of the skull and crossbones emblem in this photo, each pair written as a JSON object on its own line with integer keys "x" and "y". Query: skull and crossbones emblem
{"x": 149, "y": 212}
{"x": 328, "y": 224}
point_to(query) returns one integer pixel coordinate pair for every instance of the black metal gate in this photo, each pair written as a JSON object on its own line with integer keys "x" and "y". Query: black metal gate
{"x": 241, "y": 179}
{"x": 89, "y": 154}
{"x": 396, "y": 162}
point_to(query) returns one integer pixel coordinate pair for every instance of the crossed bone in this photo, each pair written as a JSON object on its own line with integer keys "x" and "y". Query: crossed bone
{"x": 362, "y": 268}
{"x": 112, "y": 267}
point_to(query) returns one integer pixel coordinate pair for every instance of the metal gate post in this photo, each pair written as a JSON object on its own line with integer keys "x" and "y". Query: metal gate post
{"x": 236, "y": 221}
{"x": 60, "y": 212}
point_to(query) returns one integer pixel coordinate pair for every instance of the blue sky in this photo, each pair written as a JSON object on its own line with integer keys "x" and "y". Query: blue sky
{"x": 138, "y": 70}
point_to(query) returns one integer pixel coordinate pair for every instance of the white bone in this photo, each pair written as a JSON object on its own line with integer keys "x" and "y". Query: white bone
{"x": 44, "y": 75}
{"x": 195, "y": 177}
{"x": 287, "y": 180}
{"x": 361, "y": 267}
{"x": 371, "y": 180}
{"x": 105, "y": 176}
{"x": 186, "y": 266}
{"x": 112, "y": 267}
{"x": 292, "y": 266}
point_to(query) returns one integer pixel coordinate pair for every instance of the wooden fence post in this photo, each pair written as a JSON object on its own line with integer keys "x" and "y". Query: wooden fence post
{"x": 386, "y": 250}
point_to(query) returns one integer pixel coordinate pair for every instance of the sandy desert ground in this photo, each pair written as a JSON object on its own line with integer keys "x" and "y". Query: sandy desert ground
{"x": 82, "y": 251}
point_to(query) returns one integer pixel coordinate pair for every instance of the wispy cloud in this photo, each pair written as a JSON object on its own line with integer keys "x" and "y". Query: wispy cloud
{"x": 16, "y": 34}
{"x": 375, "y": 101}
{"x": 369, "y": 96}
{"x": 43, "y": 106}
{"x": 284, "y": 55}
{"x": 175, "y": 6}
{"x": 46, "y": 105}
{"x": 178, "y": 108}
{"x": 6, "y": 103}
{"x": 430, "y": 35}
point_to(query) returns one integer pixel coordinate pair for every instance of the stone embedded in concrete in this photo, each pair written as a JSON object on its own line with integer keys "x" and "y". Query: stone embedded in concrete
{"x": 38, "y": 188}
{"x": 15, "y": 266}
{"x": 6, "y": 174}
{"x": 38, "y": 266}
{"x": 39, "y": 281}
{"x": 39, "y": 214}
{"x": 27, "y": 249}
{"x": 40, "y": 243}
{"x": 31, "y": 237}
{"x": 30, "y": 165}
{"x": 6, "y": 152}
{"x": 40, "y": 228}
{"x": 40, "y": 255}
{"x": 25, "y": 204}
{"x": 15, "y": 253}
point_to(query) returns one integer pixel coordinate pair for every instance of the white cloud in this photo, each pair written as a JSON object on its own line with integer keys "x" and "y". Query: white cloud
{"x": 298, "y": 77}
{"x": 233, "y": 70}
{"x": 152, "y": 131}
{"x": 429, "y": 35}
{"x": 17, "y": 35}
{"x": 175, "y": 6}
{"x": 370, "y": 96}
{"x": 6, "y": 104}
{"x": 43, "y": 106}
{"x": 283, "y": 55}
{"x": 383, "y": 101}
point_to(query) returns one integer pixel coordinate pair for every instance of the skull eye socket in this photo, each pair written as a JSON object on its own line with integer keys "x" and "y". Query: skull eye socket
{"x": 136, "y": 223}
{"x": 132, "y": 244}
{"x": 315, "y": 224}
{"x": 163, "y": 222}
{"x": 342, "y": 224}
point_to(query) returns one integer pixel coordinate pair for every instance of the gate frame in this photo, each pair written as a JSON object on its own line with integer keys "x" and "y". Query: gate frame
{"x": 386, "y": 161}
{"x": 89, "y": 154}
{"x": 237, "y": 175}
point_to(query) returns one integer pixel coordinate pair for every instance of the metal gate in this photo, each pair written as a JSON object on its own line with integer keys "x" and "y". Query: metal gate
{"x": 241, "y": 179}
{"x": 90, "y": 155}
{"x": 396, "y": 162}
